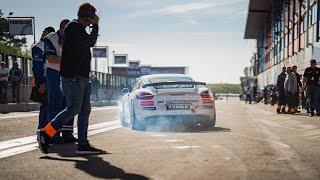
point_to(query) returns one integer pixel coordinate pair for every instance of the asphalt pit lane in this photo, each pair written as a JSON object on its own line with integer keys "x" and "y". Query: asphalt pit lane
{"x": 159, "y": 135}
{"x": 173, "y": 140}
{"x": 185, "y": 147}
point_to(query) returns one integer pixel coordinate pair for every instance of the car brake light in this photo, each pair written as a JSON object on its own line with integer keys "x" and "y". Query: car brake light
{"x": 206, "y": 94}
{"x": 147, "y": 103}
{"x": 206, "y": 97}
{"x": 145, "y": 96}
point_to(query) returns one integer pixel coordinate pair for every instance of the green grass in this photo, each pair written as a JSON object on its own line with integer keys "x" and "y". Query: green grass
{"x": 225, "y": 88}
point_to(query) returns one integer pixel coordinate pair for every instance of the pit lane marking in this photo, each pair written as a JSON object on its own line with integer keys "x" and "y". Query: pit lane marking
{"x": 21, "y": 145}
{"x": 35, "y": 113}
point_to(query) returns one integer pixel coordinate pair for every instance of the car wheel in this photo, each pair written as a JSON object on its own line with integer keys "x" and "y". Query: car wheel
{"x": 135, "y": 125}
{"x": 214, "y": 120}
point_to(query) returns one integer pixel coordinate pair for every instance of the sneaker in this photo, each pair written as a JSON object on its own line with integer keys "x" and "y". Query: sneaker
{"x": 70, "y": 139}
{"x": 88, "y": 150}
{"x": 56, "y": 140}
{"x": 43, "y": 141}
{"x": 311, "y": 114}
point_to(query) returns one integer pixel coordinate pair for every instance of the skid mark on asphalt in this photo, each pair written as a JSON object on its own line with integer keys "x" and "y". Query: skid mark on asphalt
{"x": 307, "y": 130}
{"x": 285, "y": 151}
{"x": 228, "y": 155}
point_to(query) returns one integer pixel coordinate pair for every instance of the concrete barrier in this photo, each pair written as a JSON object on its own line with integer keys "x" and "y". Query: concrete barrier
{"x": 19, "y": 107}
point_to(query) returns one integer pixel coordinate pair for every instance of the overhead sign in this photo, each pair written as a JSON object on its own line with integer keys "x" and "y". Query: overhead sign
{"x": 100, "y": 52}
{"x": 20, "y": 26}
{"x": 120, "y": 59}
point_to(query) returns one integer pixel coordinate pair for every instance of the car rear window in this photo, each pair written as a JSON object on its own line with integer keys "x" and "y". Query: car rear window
{"x": 172, "y": 79}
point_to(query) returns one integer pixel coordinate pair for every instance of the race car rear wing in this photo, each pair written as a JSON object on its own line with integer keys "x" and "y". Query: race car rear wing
{"x": 175, "y": 83}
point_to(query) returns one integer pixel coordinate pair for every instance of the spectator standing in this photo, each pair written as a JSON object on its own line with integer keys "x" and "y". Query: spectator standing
{"x": 290, "y": 89}
{"x": 248, "y": 96}
{"x": 4, "y": 74}
{"x": 39, "y": 74}
{"x": 94, "y": 87}
{"x": 56, "y": 101}
{"x": 311, "y": 82}
{"x": 299, "y": 86}
{"x": 15, "y": 79}
{"x": 254, "y": 93}
{"x": 75, "y": 69}
{"x": 280, "y": 86}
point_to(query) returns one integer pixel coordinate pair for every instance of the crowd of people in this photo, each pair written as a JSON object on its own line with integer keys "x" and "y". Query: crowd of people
{"x": 61, "y": 70}
{"x": 13, "y": 77}
{"x": 295, "y": 90}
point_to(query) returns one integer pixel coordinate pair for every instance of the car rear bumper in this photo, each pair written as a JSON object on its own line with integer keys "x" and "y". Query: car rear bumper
{"x": 179, "y": 119}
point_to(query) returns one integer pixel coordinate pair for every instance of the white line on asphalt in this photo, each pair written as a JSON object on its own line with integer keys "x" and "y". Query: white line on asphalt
{"x": 19, "y": 116}
{"x": 26, "y": 144}
{"x": 31, "y": 139}
{"x": 36, "y": 114}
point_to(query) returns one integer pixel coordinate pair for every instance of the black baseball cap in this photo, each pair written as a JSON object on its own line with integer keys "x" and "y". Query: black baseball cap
{"x": 49, "y": 29}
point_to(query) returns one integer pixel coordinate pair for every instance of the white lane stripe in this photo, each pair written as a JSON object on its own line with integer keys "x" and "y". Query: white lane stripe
{"x": 31, "y": 139}
{"x": 29, "y": 147}
{"x": 19, "y": 116}
{"x": 36, "y": 114}
{"x": 18, "y": 150}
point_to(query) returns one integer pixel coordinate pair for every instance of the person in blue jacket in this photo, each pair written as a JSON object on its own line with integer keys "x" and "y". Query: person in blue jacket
{"x": 39, "y": 74}
{"x": 56, "y": 101}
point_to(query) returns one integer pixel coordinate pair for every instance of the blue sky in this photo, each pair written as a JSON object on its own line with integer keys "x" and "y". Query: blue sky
{"x": 206, "y": 35}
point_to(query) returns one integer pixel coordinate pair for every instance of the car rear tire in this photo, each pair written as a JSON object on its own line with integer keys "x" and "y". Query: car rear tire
{"x": 135, "y": 125}
{"x": 210, "y": 124}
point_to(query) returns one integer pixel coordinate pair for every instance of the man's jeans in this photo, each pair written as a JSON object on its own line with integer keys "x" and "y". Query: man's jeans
{"x": 77, "y": 94}
{"x": 43, "y": 120}
{"x": 314, "y": 96}
{"x": 56, "y": 99}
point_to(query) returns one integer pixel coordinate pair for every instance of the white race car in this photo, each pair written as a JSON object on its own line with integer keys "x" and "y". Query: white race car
{"x": 167, "y": 97}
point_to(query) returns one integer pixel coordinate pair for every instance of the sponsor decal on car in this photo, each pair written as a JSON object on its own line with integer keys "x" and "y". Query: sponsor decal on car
{"x": 150, "y": 108}
{"x": 178, "y": 101}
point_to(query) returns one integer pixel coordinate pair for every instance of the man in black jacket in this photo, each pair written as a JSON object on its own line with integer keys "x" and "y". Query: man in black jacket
{"x": 75, "y": 69}
{"x": 299, "y": 85}
{"x": 280, "y": 86}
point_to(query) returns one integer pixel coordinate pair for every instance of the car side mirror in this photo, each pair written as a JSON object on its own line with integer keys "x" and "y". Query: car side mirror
{"x": 125, "y": 91}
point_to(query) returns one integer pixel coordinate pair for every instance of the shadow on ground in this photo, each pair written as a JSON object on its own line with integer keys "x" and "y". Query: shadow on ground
{"x": 93, "y": 165}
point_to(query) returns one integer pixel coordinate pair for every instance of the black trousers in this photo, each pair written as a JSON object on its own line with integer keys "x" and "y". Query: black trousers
{"x": 290, "y": 100}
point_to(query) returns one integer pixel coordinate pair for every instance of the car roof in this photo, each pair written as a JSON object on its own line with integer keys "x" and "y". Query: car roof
{"x": 147, "y": 78}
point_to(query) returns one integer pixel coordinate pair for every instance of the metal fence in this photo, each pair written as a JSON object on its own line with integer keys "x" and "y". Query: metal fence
{"x": 107, "y": 81}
